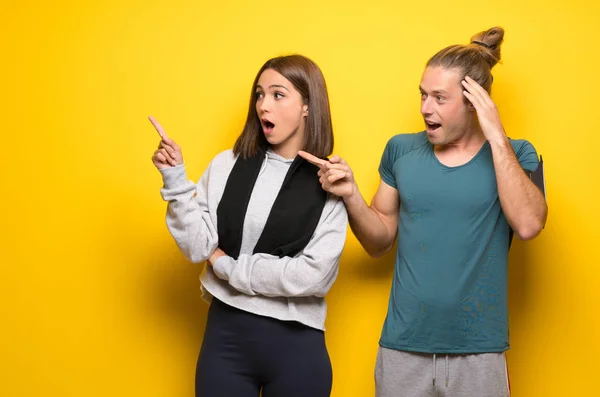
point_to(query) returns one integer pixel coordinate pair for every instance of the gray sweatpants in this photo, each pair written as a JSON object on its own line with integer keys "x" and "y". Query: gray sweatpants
{"x": 405, "y": 374}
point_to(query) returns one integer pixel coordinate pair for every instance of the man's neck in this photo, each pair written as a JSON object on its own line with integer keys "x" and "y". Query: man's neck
{"x": 472, "y": 139}
{"x": 462, "y": 150}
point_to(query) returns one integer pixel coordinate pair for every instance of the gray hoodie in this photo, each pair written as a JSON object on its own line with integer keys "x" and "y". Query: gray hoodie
{"x": 283, "y": 288}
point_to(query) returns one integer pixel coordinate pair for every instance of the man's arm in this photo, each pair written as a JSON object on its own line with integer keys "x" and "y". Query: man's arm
{"x": 375, "y": 226}
{"x": 522, "y": 202}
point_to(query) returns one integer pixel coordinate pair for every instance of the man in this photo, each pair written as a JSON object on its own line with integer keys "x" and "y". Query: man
{"x": 452, "y": 195}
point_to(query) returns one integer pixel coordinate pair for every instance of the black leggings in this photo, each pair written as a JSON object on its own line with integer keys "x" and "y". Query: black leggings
{"x": 243, "y": 353}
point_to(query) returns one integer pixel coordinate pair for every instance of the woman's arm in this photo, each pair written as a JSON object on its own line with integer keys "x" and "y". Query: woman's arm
{"x": 311, "y": 273}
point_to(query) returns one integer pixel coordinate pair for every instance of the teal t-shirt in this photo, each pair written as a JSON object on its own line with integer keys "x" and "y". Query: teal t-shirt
{"x": 449, "y": 292}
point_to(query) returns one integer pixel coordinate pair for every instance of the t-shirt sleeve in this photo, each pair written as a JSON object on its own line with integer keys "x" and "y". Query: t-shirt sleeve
{"x": 386, "y": 166}
{"x": 533, "y": 166}
{"x": 527, "y": 156}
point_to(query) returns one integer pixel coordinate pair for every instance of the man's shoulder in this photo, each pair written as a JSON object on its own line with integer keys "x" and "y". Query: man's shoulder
{"x": 526, "y": 153}
{"x": 519, "y": 145}
{"x": 401, "y": 144}
{"x": 409, "y": 138}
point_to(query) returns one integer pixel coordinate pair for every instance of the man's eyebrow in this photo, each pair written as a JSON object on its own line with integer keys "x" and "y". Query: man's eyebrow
{"x": 434, "y": 91}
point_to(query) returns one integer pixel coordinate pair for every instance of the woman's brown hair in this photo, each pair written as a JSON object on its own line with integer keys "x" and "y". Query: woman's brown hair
{"x": 308, "y": 79}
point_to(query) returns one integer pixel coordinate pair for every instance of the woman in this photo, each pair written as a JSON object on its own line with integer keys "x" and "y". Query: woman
{"x": 272, "y": 239}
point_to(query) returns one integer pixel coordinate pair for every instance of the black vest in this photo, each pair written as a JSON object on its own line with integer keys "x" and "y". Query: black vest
{"x": 293, "y": 217}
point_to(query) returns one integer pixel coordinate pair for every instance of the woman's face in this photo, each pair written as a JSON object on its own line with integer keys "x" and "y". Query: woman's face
{"x": 282, "y": 113}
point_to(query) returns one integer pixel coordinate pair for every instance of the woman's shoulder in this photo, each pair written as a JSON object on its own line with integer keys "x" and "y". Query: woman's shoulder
{"x": 225, "y": 157}
{"x": 334, "y": 210}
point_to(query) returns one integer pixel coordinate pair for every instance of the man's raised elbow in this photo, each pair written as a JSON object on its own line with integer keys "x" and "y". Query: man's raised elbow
{"x": 530, "y": 231}
{"x": 376, "y": 252}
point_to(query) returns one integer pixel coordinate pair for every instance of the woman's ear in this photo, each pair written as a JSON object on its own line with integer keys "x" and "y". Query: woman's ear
{"x": 305, "y": 111}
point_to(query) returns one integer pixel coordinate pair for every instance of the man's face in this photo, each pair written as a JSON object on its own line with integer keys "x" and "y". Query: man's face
{"x": 443, "y": 106}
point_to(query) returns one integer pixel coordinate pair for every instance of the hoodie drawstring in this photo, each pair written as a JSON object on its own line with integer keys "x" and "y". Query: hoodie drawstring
{"x": 447, "y": 367}
{"x": 264, "y": 164}
{"x": 434, "y": 371}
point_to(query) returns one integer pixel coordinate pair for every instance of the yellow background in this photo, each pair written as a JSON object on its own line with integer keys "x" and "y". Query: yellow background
{"x": 96, "y": 300}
